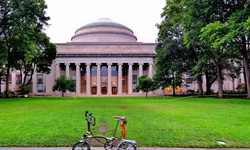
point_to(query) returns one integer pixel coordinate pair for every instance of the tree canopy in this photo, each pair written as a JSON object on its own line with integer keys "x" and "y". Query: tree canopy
{"x": 24, "y": 45}
{"x": 214, "y": 36}
{"x": 145, "y": 84}
{"x": 63, "y": 84}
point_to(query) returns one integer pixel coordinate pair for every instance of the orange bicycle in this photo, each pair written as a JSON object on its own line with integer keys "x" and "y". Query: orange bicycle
{"x": 109, "y": 144}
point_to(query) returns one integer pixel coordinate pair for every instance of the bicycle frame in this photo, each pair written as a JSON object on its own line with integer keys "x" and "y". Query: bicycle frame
{"x": 108, "y": 145}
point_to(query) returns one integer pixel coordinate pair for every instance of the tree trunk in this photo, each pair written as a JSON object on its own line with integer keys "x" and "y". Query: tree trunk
{"x": 246, "y": 66}
{"x": 220, "y": 82}
{"x": 244, "y": 53}
{"x": 199, "y": 80}
{"x": 208, "y": 86}
{"x": 174, "y": 85}
{"x": 62, "y": 94}
{"x": 217, "y": 64}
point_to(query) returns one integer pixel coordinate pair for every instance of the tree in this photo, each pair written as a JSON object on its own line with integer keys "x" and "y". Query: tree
{"x": 145, "y": 84}
{"x": 214, "y": 32}
{"x": 63, "y": 84}
{"x": 23, "y": 42}
{"x": 228, "y": 34}
{"x": 172, "y": 56}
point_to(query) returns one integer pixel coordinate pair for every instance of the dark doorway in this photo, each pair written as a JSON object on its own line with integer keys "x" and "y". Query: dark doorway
{"x": 93, "y": 90}
{"x": 104, "y": 90}
{"x": 114, "y": 90}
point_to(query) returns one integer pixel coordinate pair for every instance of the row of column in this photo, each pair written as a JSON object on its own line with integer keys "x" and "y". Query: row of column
{"x": 109, "y": 88}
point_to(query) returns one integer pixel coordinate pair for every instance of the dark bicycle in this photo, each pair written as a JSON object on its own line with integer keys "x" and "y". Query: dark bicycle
{"x": 109, "y": 144}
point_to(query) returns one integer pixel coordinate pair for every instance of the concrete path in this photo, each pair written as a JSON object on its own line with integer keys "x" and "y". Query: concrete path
{"x": 100, "y": 148}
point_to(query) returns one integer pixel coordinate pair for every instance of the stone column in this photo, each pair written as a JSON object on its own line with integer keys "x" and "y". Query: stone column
{"x": 57, "y": 70}
{"x": 48, "y": 83}
{"x": 120, "y": 78}
{"x": 98, "y": 78}
{"x": 130, "y": 70}
{"x": 78, "y": 78}
{"x": 109, "y": 78}
{"x": 34, "y": 82}
{"x": 13, "y": 79}
{"x": 88, "y": 78}
{"x": 150, "y": 70}
{"x": 67, "y": 69}
{"x": 150, "y": 74}
{"x": 140, "y": 73}
{"x": 140, "y": 69}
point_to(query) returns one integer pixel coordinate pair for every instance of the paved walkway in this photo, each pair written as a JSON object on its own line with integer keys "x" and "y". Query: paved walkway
{"x": 100, "y": 148}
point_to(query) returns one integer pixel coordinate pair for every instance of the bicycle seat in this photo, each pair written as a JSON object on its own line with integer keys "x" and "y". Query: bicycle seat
{"x": 119, "y": 117}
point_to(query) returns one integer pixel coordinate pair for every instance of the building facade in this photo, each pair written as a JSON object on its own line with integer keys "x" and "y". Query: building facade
{"x": 104, "y": 58}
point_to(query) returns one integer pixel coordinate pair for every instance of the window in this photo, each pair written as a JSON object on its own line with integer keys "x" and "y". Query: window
{"x": 114, "y": 70}
{"x": 104, "y": 71}
{"x": 83, "y": 70}
{"x": 134, "y": 79}
{"x": 135, "y": 67}
{"x": 93, "y": 70}
{"x": 63, "y": 67}
{"x": 73, "y": 67}
{"x": 73, "y": 77}
{"x": 18, "y": 80}
{"x": 189, "y": 80}
{"x": 39, "y": 83}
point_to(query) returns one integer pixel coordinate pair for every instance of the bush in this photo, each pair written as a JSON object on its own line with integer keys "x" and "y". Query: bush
{"x": 24, "y": 90}
{"x": 241, "y": 87}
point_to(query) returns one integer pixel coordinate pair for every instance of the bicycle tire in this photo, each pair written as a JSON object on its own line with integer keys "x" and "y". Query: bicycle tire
{"x": 81, "y": 146}
{"x": 126, "y": 146}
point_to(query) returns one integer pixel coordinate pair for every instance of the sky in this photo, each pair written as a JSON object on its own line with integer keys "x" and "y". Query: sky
{"x": 66, "y": 16}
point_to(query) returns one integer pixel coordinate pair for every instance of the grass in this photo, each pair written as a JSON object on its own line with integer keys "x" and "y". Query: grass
{"x": 152, "y": 121}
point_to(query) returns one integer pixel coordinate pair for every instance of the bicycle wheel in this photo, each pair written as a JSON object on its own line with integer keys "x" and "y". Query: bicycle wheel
{"x": 126, "y": 146}
{"x": 81, "y": 146}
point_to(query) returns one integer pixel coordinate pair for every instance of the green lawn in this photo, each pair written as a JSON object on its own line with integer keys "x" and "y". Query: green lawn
{"x": 152, "y": 121}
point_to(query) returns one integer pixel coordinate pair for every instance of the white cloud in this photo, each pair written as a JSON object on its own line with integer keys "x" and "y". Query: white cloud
{"x": 139, "y": 15}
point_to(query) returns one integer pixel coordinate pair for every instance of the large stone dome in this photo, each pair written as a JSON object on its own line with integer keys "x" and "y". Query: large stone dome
{"x": 104, "y": 30}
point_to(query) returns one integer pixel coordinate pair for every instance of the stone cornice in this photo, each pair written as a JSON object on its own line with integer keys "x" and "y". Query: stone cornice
{"x": 106, "y": 55}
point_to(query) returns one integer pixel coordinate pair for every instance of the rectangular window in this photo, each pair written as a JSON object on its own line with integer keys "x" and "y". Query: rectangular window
{"x": 73, "y": 67}
{"x": 189, "y": 80}
{"x": 134, "y": 79}
{"x": 104, "y": 71}
{"x": 63, "y": 67}
{"x": 18, "y": 79}
{"x": 83, "y": 70}
{"x": 135, "y": 67}
{"x": 39, "y": 83}
{"x": 93, "y": 71}
{"x": 114, "y": 70}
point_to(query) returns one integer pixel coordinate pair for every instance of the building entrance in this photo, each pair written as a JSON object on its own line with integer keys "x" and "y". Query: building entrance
{"x": 104, "y": 90}
{"x": 94, "y": 90}
{"x": 114, "y": 90}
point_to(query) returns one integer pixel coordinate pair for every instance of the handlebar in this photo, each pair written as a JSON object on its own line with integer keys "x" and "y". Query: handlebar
{"x": 90, "y": 119}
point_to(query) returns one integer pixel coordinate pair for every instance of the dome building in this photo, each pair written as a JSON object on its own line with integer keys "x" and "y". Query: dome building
{"x": 103, "y": 57}
{"x": 104, "y": 30}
